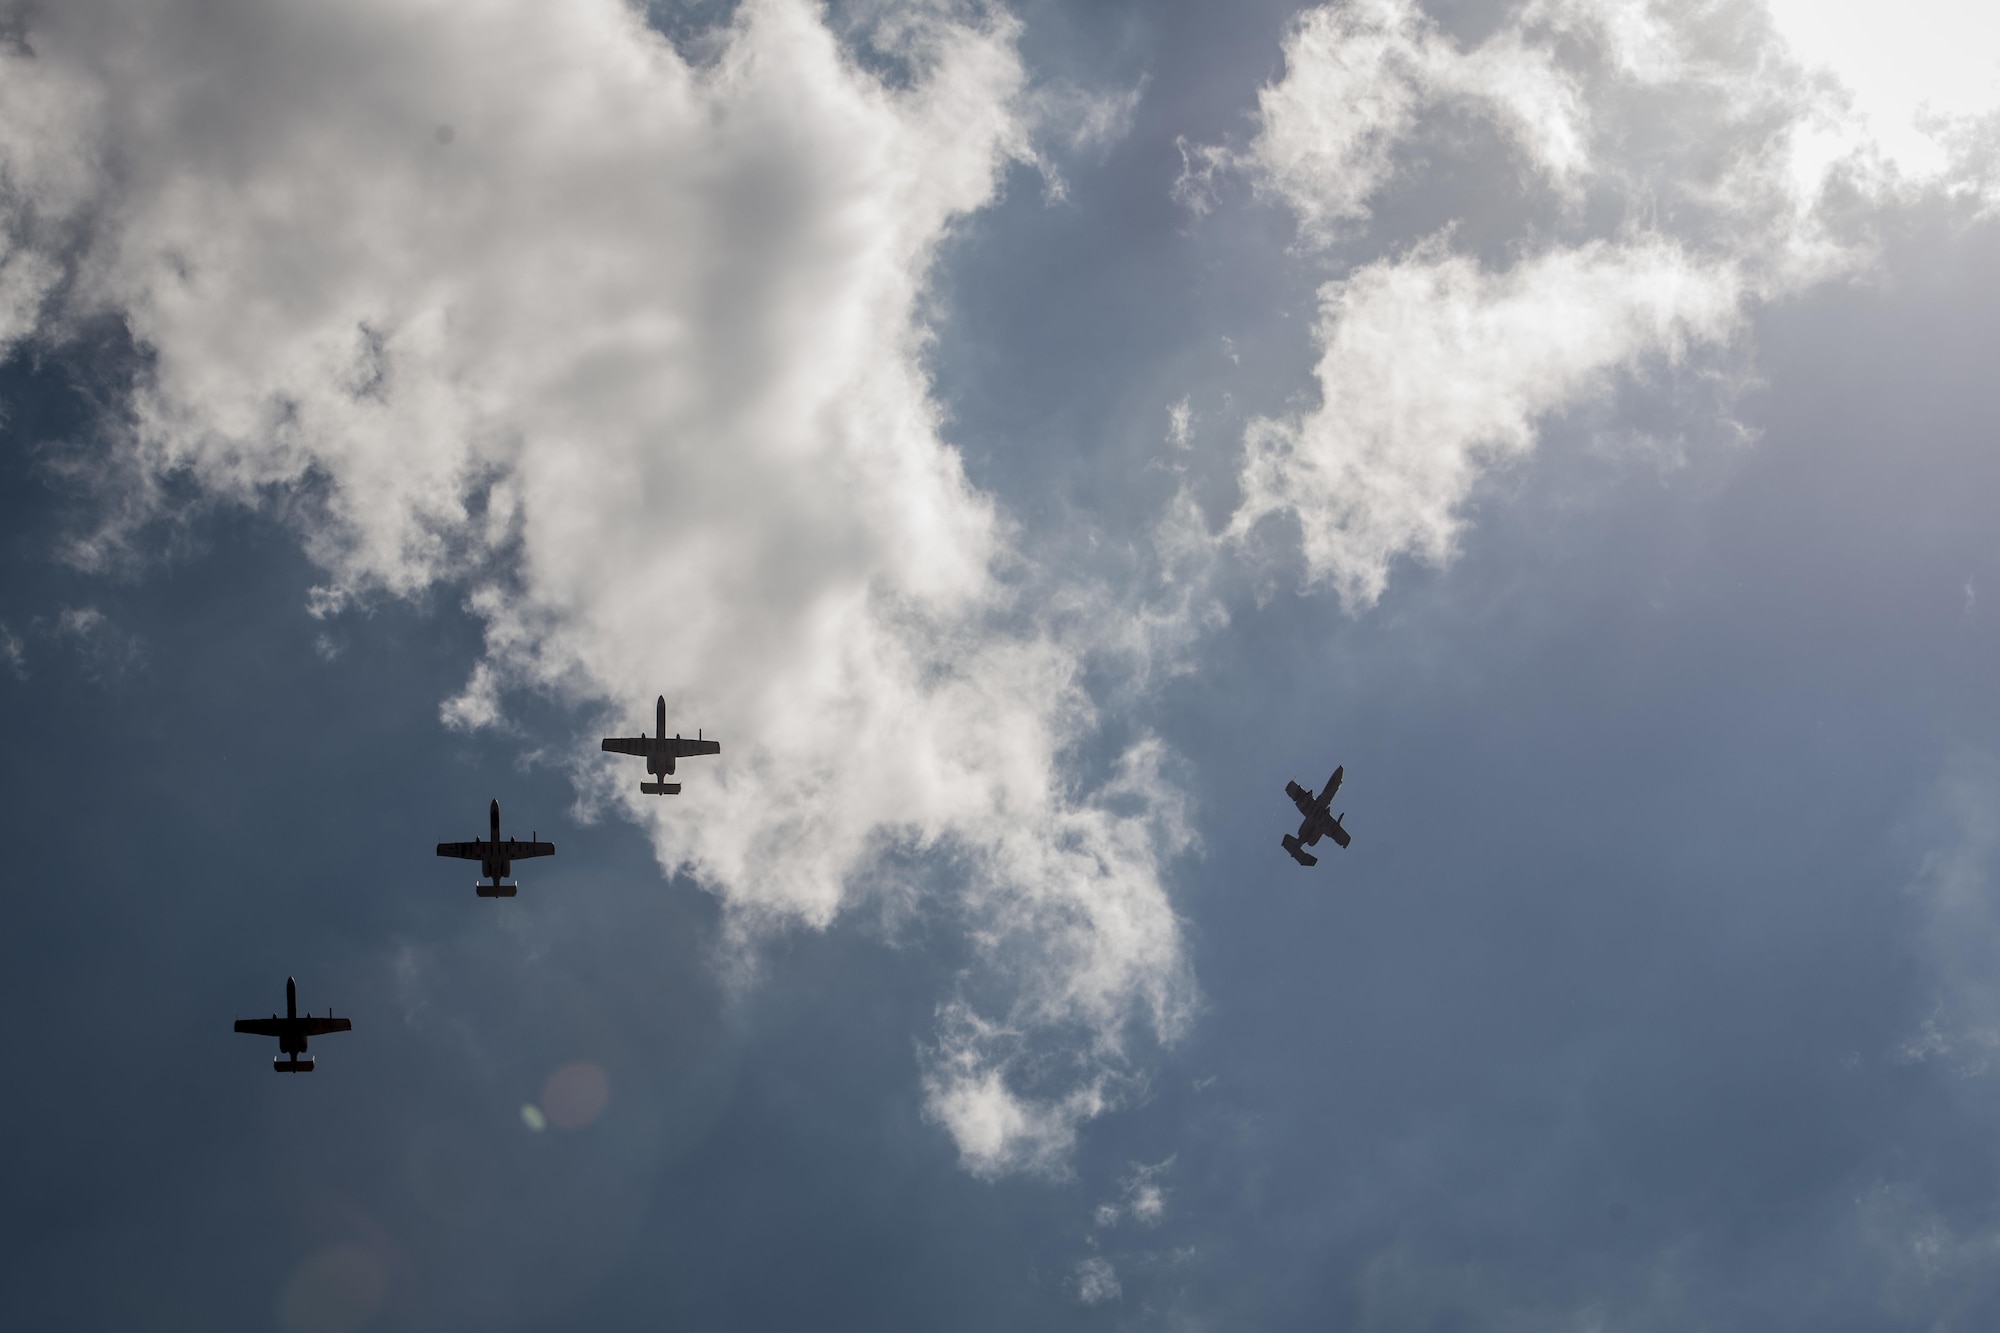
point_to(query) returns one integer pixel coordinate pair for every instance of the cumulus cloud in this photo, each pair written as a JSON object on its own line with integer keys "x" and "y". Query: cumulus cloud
{"x": 1919, "y": 81}
{"x": 1433, "y": 369}
{"x": 1722, "y": 152}
{"x": 1359, "y": 76}
{"x": 633, "y": 353}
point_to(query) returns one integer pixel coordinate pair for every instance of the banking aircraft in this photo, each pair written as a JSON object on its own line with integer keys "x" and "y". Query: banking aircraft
{"x": 1317, "y": 823}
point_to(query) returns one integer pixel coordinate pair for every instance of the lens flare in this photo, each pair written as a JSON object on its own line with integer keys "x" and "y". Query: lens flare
{"x": 337, "y": 1290}
{"x": 575, "y": 1095}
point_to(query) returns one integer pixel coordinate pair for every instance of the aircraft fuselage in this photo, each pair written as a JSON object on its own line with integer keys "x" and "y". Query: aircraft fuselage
{"x": 495, "y": 867}
{"x": 294, "y": 1041}
{"x": 660, "y": 764}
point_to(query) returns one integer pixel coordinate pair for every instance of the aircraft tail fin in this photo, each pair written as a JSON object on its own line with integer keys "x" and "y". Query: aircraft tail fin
{"x": 295, "y": 1065}
{"x": 1299, "y": 854}
{"x": 495, "y": 890}
{"x": 660, "y": 788}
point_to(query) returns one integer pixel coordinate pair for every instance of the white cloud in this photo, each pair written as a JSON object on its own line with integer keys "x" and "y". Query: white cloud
{"x": 1097, "y": 1281}
{"x": 1141, "y": 1196}
{"x": 998, "y": 1130}
{"x": 1084, "y": 120}
{"x": 1067, "y": 907}
{"x": 636, "y": 356}
{"x": 49, "y": 141}
{"x": 106, "y": 653}
{"x": 1434, "y": 369}
{"x": 1718, "y": 150}
{"x": 1358, "y": 77}
{"x": 1921, "y": 76}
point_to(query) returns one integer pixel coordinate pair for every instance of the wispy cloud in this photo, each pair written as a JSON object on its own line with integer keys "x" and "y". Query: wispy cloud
{"x": 1958, "y": 892}
{"x": 107, "y": 654}
{"x": 1142, "y": 1197}
{"x": 1097, "y": 1281}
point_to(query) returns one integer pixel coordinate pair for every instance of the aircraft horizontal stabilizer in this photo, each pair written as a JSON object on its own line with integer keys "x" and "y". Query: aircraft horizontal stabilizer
{"x": 495, "y": 891}
{"x": 660, "y": 788}
{"x": 1299, "y": 854}
{"x": 304, "y": 1066}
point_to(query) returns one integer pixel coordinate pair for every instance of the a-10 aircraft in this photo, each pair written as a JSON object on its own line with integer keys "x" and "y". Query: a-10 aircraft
{"x": 292, "y": 1031}
{"x": 660, "y": 751}
{"x": 1317, "y": 823}
{"x": 496, "y": 857}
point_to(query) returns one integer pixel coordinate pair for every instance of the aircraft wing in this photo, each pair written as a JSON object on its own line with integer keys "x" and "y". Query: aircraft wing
{"x": 1302, "y": 798}
{"x": 680, "y": 747}
{"x": 264, "y": 1027}
{"x": 515, "y": 850}
{"x": 466, "y": 851}
{"x": 319, "y": 1027}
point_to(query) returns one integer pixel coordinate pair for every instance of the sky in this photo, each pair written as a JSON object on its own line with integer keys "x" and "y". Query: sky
{"x": 1026, "y": 436}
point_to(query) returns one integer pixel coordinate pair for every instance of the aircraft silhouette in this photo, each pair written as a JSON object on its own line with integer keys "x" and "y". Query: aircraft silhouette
{"x": 496, "y": 857}
{"x": 1317, "y": 823}
{"x": 660, "y": 751}
{"x": 292, "y": 1031}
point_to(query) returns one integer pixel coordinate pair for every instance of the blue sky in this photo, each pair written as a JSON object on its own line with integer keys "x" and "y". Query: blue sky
{"x": 1027, "y": 438}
